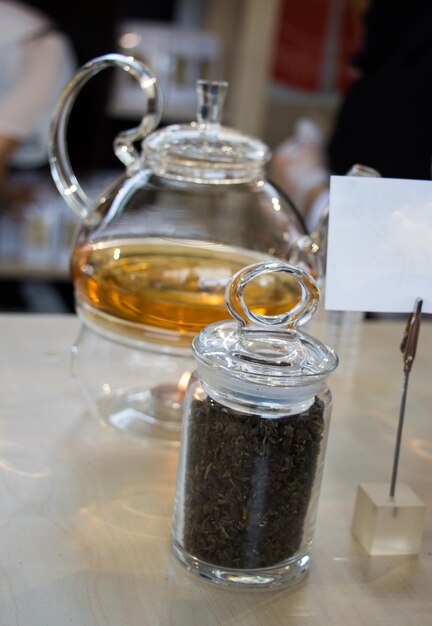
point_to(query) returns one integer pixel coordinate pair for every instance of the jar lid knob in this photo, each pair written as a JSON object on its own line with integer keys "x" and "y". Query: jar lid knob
{"x": 211, "y": 97}
{"x": 299, "y": 314}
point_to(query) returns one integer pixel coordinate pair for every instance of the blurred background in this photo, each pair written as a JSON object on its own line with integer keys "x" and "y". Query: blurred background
{"x": 285, "y": 60}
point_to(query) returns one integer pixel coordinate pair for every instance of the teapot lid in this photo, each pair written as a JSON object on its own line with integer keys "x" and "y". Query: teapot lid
{"x": 261, "y": 356}
{"x": 205, "y": 151}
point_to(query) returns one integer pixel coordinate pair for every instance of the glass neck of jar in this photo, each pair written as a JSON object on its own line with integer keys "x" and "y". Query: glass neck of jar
{"x": 265, "y": 400}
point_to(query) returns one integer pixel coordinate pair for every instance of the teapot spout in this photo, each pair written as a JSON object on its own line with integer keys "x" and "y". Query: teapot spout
{"x": 306, "y": 254}
{"x": 315, "y": 245}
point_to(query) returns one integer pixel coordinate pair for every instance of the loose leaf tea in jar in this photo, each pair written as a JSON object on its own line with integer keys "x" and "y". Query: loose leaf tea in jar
{"x": 253, "y": 443}
{"x": 264, "y": 472}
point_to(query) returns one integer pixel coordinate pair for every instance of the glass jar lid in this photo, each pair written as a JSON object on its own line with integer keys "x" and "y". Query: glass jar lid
{"x": 260, "y": 356}
{"x": 204, "y": 151}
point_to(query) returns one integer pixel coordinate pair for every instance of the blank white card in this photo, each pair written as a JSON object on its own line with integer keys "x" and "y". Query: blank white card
{"x": 379, "y": 254}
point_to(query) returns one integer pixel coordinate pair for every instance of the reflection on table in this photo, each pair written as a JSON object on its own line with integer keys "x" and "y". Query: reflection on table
{"x": 86, "y": 513}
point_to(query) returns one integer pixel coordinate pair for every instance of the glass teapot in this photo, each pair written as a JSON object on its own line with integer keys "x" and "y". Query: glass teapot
{"x": 155, "y": 251}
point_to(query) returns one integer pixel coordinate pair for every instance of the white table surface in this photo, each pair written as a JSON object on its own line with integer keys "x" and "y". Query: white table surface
{"x": 85, "y": 513}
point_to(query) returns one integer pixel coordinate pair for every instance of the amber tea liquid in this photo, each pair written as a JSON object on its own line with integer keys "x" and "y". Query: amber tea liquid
{"x": 172, "y": 284}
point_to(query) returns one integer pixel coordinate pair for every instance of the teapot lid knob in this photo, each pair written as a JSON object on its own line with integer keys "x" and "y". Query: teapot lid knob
{"x": 211, "y": 97}
{"x": 205, "y": 151}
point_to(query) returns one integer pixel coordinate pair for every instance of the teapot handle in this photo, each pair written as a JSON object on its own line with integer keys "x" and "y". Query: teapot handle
{"x": 61, "y": 168}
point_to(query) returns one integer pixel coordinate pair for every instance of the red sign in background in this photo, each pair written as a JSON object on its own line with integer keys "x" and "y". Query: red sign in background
{"x": 315, "y": 42}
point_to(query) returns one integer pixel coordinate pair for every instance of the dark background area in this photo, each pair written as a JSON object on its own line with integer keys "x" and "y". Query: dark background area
{"x": 91, "y": 28}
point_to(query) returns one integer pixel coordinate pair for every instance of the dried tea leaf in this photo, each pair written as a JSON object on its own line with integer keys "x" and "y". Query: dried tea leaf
{"x": 248, "y": 483}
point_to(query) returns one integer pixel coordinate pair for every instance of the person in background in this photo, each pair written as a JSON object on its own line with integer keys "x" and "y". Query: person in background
{"x": 299, "y": 169}
{"x": 36, "y": 62}
{"x": 385, "y": 119}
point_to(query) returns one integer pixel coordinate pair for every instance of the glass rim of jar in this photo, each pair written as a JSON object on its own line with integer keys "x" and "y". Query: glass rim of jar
{"x": 218, "y": 354}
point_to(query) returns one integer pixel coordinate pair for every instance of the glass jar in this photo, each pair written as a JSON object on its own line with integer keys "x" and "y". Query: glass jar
{"x": 154, "y": 251}
{"x": 254, "y": 435}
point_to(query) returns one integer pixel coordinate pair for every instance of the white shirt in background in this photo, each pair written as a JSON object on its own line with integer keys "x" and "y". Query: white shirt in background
{"x": 36, "y": 63}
